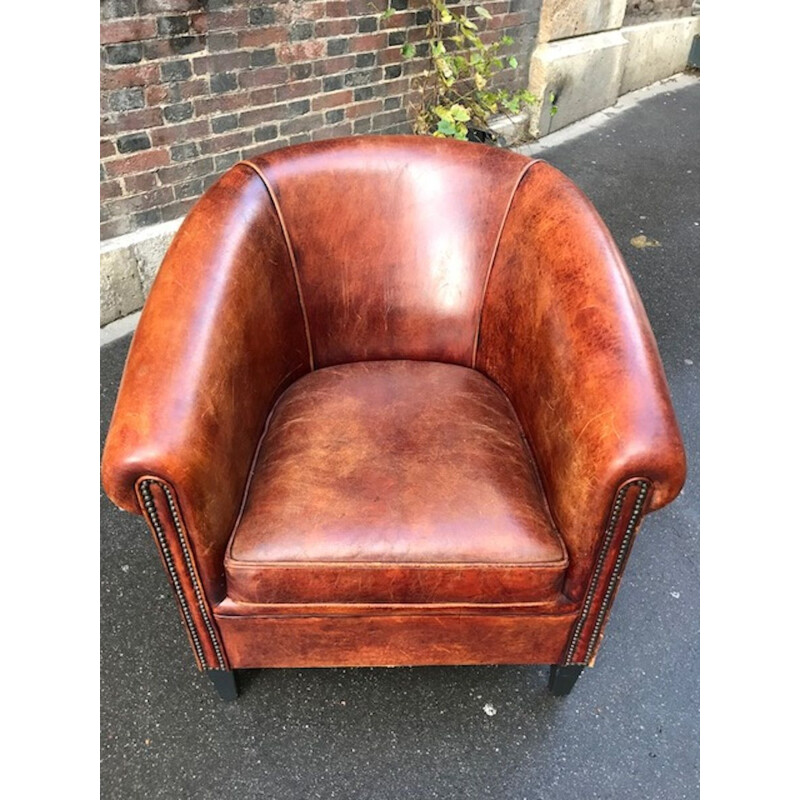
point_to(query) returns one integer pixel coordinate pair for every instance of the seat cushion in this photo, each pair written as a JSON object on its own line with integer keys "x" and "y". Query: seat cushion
{"x": 394, "y": 482}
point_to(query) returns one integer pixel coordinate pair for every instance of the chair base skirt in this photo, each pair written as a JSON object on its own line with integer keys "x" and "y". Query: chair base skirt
{"x": 393, "y": 640}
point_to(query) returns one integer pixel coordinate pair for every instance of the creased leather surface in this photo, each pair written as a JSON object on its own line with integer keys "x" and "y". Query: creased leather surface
{"x": 393, "y": 236}
{"x": 394, "y": 481}
{"x": 386, "y": 641}
{"x": 564, "y": 333}
{"x": 220, "y": 336}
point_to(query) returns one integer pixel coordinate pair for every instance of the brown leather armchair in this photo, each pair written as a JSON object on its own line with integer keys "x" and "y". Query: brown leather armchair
{"x": 393, "y": 401}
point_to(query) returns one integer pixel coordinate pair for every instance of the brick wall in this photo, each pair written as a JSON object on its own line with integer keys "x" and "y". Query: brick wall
{"x": 189, "y": 87}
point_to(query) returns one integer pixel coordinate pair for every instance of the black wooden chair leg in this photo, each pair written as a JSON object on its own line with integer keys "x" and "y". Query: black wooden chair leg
{"x": 224, "y": 682}
{"x": 562, "y": 679}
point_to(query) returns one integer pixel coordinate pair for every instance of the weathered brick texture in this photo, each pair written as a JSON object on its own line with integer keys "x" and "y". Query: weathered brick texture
{"x": 189, "y": 87}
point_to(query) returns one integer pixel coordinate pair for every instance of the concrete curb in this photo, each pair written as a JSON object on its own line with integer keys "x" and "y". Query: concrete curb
{"x": 625, "y": 102}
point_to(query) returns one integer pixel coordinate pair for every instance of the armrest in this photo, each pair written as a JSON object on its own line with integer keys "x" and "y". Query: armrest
{"x": 221, "y": 335}
{"x": 564, "y": 333}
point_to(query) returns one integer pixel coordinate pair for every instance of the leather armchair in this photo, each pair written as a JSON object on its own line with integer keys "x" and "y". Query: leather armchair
{"x": 393, "y": 401}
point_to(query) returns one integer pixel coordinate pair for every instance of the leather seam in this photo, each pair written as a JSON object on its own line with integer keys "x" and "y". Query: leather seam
{"x": 493, "y": 258}
{"x": 370, "y": 615}
{"x": 399, "y": 564}
{"x": 205, "y": 613}
{"x": 290, "y": 248}
{"x": 396, "y": 608}
{"x": 600, "y": 564}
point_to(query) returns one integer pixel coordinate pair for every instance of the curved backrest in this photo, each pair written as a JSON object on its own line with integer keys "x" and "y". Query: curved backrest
{"x": 392, "y": 239}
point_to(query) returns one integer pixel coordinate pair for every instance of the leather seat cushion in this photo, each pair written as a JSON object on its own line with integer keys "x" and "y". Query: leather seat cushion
{"x": 394, "y": 482}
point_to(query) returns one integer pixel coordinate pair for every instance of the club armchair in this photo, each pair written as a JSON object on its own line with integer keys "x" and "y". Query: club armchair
{"x": 393, "y": 401}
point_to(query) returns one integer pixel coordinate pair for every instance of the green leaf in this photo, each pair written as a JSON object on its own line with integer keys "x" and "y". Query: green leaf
{"x": 409, "y": 50}
{"x": 482, "y": 12}
{"x": 446, "y": 16}
{"x": 390, "y": 12}
{"x": 443, "y": 67}
{"x": 513, "y": 63}
{"x": 506, "y": 40}
{"x": 459, "y": 113}
{"x": 446, "y": 127}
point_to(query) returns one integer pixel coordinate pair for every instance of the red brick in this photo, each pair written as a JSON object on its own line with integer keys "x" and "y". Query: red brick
{"x": 335, "y": 27}
{"x": 110, "y": 189}
{"x": 364, "y": 109}
{"x": 308, "y": 50}
{"x": 230, "y": 141}
{"x": 189, "y": 89}
{"x": 225, "y": 20}
{"x": 198, "y": 23}
{"x": 139, "y": 162}
{"x": 267, "y": 76}
{"x": 336, "y": 8}
{"x": 262, "y": 97}
{"x": 259, "y": 116}
{"x": 361, "y": 8}
{"x": 390, "y": 55}
{"x": 130, "y": 121}
{"x": 127, "y": 30}
{"x": 312, "y": 10}
{"x": 332, "y": 99}
{"x": 368, "y": 43}
{"x": 123, "y": 77}
{"x": 143, "y": 182}
{"x": 330, "y": 66}
{"x": 402, "y": 19}
{"x": 184, "y": 172}
{"x": 223, "y": 102}
{"x": 294, "y": 89}
{"x": 283, "y": 12}
{"x": 186, "y": 131}
{"x": 106, "y": 148}
{"x": 396, "y": 86}
{"x": 260, "y": 37}
{"x": 156, "y": 95}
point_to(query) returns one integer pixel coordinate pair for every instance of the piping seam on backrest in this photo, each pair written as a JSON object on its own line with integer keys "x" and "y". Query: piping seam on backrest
{"x": 521, "y": 175}
{"x": 290, "y": 249}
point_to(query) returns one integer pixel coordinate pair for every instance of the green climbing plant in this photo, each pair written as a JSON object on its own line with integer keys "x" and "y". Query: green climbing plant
{"x": 456, "y": 95}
